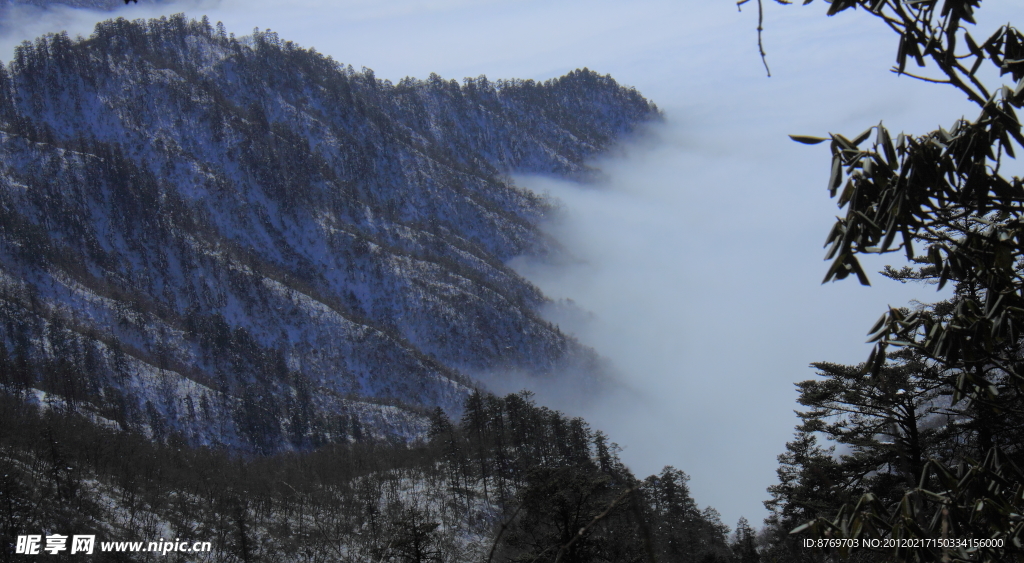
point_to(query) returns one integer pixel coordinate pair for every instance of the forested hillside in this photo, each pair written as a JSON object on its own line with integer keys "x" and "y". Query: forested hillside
{"x": 244, "y": 293}
{"x": 244, "y": 243}
{"x": 509, "y": 481}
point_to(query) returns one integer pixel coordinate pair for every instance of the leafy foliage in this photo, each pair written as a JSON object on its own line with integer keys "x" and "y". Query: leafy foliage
{"x": 943, "y": 200}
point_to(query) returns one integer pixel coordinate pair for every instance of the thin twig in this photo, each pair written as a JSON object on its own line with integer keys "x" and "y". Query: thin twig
{"x": 508, "y": 522}
{"x": 760, "y": 30}
{"x": 760, "y": 43}
{"x": 585, "y": 529}
{"x": 895, "y": 70}
{"x": 504, "y": 526}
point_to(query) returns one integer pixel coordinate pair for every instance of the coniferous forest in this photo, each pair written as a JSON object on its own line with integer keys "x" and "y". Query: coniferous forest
{"x": 509, "y": 481}
{"x": 244, "y": 293}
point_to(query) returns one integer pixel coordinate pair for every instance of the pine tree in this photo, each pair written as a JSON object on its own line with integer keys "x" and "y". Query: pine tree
{"x": 811, "y": 483}
{"x": 414, "y": 539}
{"x": 890, "y": 422}
{"x": 744, "y": 546}
{"x": 474, "y": 424}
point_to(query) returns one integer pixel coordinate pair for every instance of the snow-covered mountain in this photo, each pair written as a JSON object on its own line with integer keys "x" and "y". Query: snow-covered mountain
{"x": 241, "y": 242}
{"x": 93, "y": 4}
{"x": 20, "y": 7}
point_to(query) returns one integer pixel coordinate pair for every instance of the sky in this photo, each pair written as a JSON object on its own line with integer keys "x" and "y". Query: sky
{"x": 694, "y": 265}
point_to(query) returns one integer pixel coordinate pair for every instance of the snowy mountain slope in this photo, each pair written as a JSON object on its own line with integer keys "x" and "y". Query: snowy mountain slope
{"x": 91, "y": 4}
{"x": 246, "y": 243}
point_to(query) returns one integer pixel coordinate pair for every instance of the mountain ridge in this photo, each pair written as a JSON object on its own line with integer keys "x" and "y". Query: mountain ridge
{"x": 247, "y": 244}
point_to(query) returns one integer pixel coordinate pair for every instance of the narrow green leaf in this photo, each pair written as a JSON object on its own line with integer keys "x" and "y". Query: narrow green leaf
{"x": 836, "y": 177}
{"x": 886, "y": 141}
{"x": 860, "y": 138}
{"x": 807, "y": 140}
{"x": 878, "y": 325}
{"x": 861, "y": 276}
{"x": 800, "y": 528}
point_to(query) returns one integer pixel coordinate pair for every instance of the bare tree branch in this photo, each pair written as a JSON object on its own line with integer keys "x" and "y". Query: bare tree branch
{"x": 583, "y": 531}
{"x": 760, "y": 30}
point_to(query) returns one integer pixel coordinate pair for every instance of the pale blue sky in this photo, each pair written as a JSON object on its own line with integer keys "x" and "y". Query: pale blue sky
{"x": 700, "y": 257}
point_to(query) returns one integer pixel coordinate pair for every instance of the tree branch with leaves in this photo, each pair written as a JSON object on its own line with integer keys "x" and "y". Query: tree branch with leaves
{"x": 942, "y": 199}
